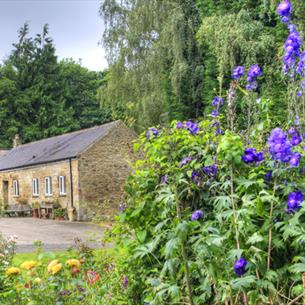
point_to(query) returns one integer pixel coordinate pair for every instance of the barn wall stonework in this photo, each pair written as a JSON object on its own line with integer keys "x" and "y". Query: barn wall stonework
{"x": 26, "y": 175}
{"x": 103, "y": 169}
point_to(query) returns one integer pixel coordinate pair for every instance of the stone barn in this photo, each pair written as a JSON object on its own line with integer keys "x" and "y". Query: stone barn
{"x": 84, "y": 171}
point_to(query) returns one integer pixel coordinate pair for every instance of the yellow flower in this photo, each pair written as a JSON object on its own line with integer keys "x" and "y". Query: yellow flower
{"x": 55, "y": 269}
{"x": 51, "y": 265}
{"x": 28, "y": 265}
{"x": 12, "y": 271}
{"x": 73, "y": 263}
{"x": 37, "y": 281}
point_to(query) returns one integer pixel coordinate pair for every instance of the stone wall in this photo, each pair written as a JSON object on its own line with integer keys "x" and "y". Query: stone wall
{"x": 103, "y": 169}
{"x": 53, "y": 170}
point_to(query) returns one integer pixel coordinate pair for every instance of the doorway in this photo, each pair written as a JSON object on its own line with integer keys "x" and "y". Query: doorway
{"x": 5, "y": 192}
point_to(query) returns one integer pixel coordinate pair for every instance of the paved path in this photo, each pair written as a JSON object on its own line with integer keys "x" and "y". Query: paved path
{"x": 55, "y": 235}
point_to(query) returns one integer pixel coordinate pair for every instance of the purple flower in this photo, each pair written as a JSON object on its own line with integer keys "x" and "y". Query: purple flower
{"x": 240, "y": 266}
{"x": 211, "y": 170}
{"x": 164, "y": 179}
{"x": 292, "y": 47}
{"x": 196, "y": 177}
{"x": 152, "y": 131}
{"x": 197, "y": 215}
{"x": 250, "y": 156}
{"x": 192, "y": 127}
{"x": 279, "y": 146}
{"x": 179, "y": 125}
{"x": 122, "y": 207}
{"x": 295, "y": 160}
{"x": 296, "y": 139}
{"x": 218, "y": 101}
{"x": 214, "y": 113}
{"x": 294, "y": 201}
{"x": 253, "y": 73}
{"x": 185, "y": 161}
{"x": 297, "y": 121}
{"x": 268, "y": 176}
{"x": 284, "y": 8}
{"x": 125, "y": 281}
{"x": 238, "y": 72}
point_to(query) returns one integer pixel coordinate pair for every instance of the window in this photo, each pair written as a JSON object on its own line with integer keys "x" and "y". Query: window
{"x": 62, "y": 185}
{"x": 48, "y": 186}
{"x": 16, "y": 187}
{"x": 35, "y": 187}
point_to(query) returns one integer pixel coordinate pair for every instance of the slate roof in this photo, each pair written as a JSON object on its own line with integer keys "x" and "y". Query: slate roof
{"x": 56, "y": 148}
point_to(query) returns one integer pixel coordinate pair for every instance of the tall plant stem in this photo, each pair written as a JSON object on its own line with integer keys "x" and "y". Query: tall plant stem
{"x": 270, "y": 230}
{"x": 270, "y": 240}
{"x": 185, "y": 260}
{"x": 234, "y": 208}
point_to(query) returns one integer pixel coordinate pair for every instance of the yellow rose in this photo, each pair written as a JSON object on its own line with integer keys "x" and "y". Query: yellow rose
{"x": 73, "y": 263}
{"x": 28, "y": 265}
{"x": 55, "y": 269}
{"x": 51, "y": 265}
{"x": 12, "y": 271}
{"x": 37, "y": 281}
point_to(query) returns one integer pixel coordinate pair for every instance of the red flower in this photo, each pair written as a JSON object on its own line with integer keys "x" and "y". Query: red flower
{"x": 91, "y": 277}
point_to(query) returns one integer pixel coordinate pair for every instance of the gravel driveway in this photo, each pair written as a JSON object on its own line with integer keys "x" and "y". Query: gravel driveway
{"x": 55, "y": 235}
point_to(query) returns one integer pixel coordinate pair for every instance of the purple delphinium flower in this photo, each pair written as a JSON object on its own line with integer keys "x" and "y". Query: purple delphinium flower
{"x": 292, "y": 47}
{"x": 297, "y": 121}
{"x": 192, "y": 127}
{"x": 211, "y": 170}
{"x": 295, "y": 159}
{"x": 218, "y": 101}
{"x": 238, "y": 72}
{"x": 122, "y": 207}
{"x": 125, "y": 281}
{"x": 268, "y": 176}
{"x": 215, "y": 113}
{"x": 179, "y": 125}
{"x": 279, "y": 146}
{"x": 164, "y": 179}
{"x": 296, "y": 139}
{"x": 196, "y": 177}
{"x": 219, "y": 131}
{"x": 250, "y": 156}
{"x": 152, "y": 131}
{"x": 284, "y": 9}
{"x": 197, "y": 215}
{"x": 240, "y": 266}
{"x": 295, "y": 136}
{"x": 294, "y": 201}
{"x": 253, "y": 73}
{"x": 185, "y": 161}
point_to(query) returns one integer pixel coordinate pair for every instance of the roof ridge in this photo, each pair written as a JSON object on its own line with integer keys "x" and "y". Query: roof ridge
{"x": 63, "y": 134}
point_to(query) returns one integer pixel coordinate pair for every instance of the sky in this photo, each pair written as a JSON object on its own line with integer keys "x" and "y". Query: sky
{"x": 74, "y": 25}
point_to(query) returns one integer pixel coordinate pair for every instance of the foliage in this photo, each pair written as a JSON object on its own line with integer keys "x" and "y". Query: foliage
{"x": 41, "y": 97}
{"x": 156, "y": 67}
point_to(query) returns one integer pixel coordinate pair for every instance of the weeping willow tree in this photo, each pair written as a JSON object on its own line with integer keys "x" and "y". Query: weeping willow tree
{"x": 156, "y": 70}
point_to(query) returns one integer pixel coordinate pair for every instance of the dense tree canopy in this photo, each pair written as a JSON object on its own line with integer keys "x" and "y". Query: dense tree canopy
{"x": 40, "y": 96}
{"x": 168, "y": 59}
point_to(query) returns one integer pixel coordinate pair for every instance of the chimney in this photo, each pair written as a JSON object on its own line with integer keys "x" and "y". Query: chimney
{"x": 16, "y": 141}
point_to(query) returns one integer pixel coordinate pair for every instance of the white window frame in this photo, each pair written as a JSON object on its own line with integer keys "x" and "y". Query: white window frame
{"x": 48, "y": 186}
{"x": 16, "y": 188}
{"x": 62, "y": 185}
{"x": 35, "y": 187}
